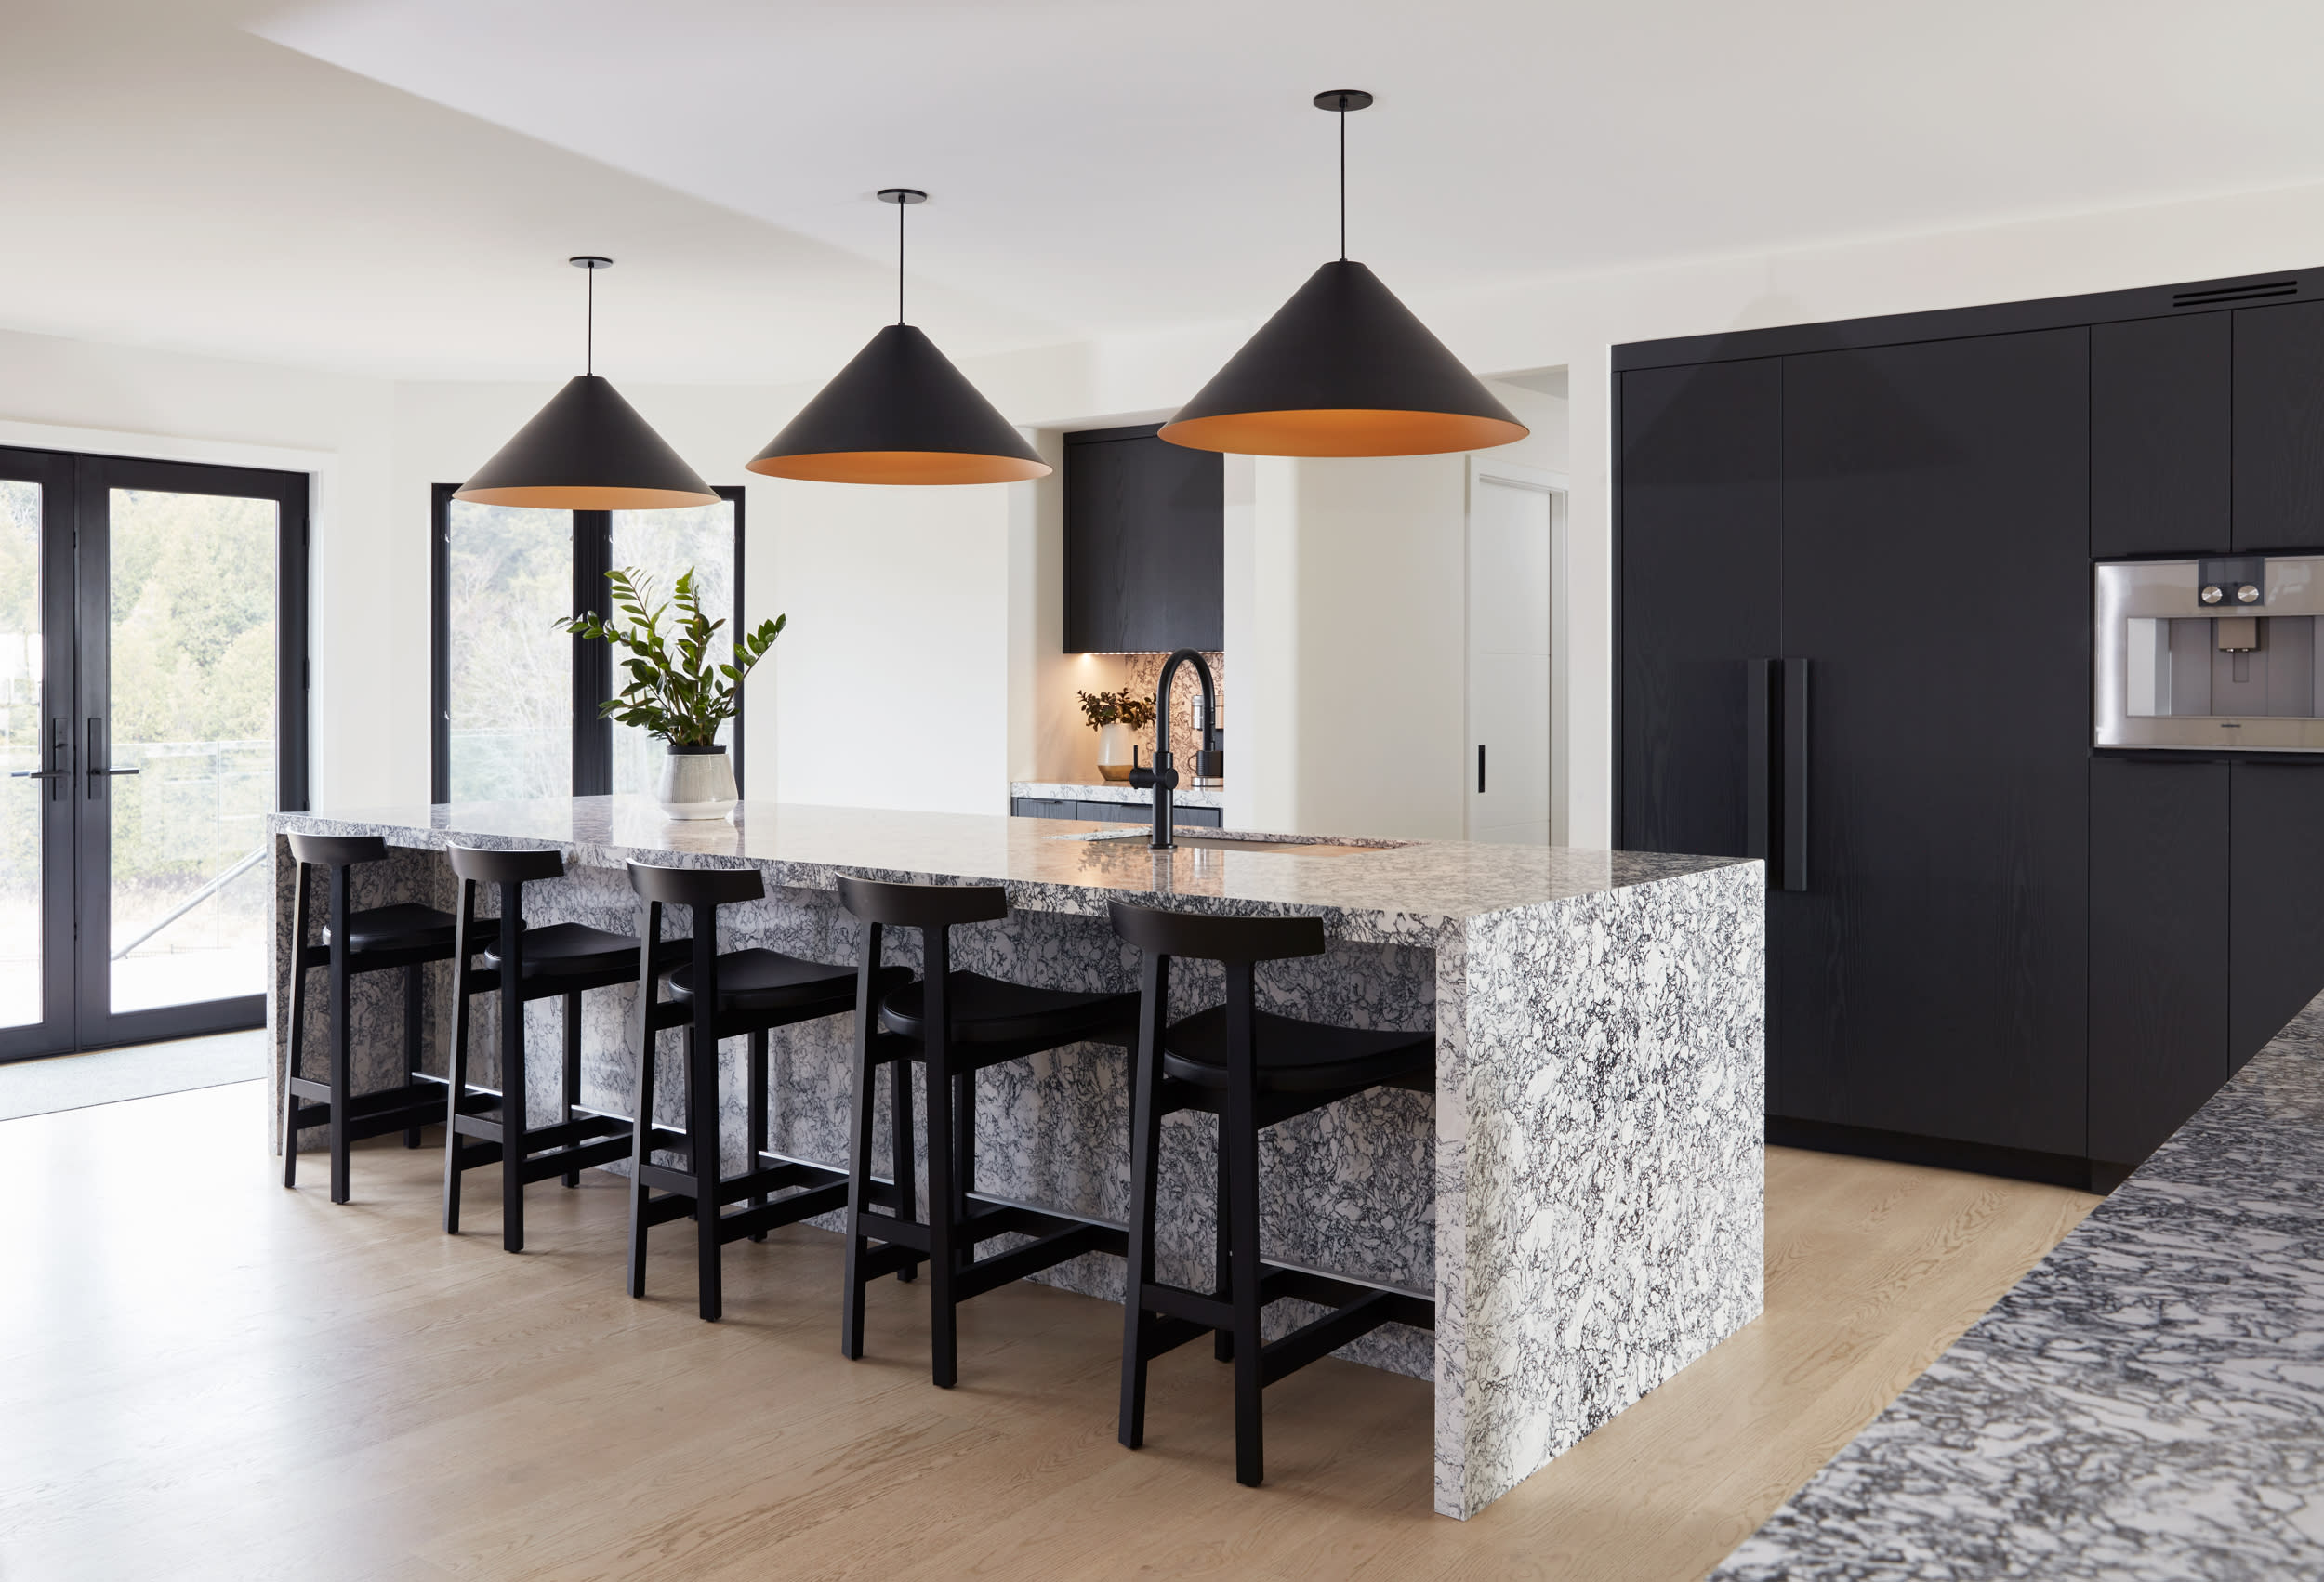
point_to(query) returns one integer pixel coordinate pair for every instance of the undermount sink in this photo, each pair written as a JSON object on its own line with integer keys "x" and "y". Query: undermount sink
{"x": 1276, "y": 845}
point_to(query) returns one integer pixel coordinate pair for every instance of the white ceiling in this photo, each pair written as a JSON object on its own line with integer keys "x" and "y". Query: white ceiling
{"x": 389, "y": 185}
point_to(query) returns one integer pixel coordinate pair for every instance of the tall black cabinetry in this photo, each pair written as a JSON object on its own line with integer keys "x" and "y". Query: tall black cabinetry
{"x": 1853, "y": 617}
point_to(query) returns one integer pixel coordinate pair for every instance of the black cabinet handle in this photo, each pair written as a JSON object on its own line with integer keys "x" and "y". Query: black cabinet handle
{"x": 1480, "y": 769}
{"x": 1795, "y": 775}
{"x": 1758, "y": 763}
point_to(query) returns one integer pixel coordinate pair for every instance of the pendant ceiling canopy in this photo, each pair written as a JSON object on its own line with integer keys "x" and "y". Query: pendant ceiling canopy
{"x": 587, "y": 450}
{"x": 1344, "y": 369}
{"x": 900, "y": 413}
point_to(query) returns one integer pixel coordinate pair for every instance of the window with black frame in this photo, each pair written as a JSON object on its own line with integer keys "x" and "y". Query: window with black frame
{"x": 516, "y": 700}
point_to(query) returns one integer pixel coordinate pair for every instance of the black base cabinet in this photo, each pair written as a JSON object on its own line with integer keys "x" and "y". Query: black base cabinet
{"x": 1852, "y": 613}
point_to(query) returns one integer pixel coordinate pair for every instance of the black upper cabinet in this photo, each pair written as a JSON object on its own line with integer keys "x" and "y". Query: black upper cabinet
{"x": 1701, "y": 538}
{"x": 1145, "y": 544}
{"x": 1934, "y": 976}
{"x": 2161, "y": 455}
{"x": 2158, "y": 948}
{"x": 2279, "y": 427}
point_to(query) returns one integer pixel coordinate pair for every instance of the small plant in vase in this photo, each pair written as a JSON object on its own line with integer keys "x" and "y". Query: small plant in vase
{"x": 677, "y": 693}
{"x": 1116, "y": 717}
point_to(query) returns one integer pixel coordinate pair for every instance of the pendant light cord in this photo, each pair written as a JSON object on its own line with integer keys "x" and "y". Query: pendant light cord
{"x": 900, "y": 208}
{"x": 589, "y": 339}
{"x": 1343, "y": 179}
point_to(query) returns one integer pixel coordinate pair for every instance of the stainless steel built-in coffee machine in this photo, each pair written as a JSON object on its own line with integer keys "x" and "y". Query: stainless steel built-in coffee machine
{"x": 2221, "y": 653}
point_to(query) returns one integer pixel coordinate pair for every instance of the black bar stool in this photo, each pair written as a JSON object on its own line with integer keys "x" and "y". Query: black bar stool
{"x": 746, "y": 992}
{"x": 1251, "y": 1069}
{"x": 373, "y": 940}
{"x": 956, "y": 1023}
{"x": 565, "y": 959}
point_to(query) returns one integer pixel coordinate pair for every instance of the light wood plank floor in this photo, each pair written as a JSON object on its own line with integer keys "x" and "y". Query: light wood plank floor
{"x": 201, "y": 1374}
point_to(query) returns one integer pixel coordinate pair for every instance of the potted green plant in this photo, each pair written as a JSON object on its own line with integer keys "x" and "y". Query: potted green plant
{"x": 1116, "y": 717}
{"x": 678, "y": 691}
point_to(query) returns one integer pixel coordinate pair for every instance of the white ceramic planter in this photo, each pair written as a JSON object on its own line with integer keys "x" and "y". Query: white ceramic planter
{"x": 1116, "y": 744}
{"x": 696, "y": 783}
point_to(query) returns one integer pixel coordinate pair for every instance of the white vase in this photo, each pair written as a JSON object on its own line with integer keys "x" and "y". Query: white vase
{"x": 1117, "y": 750}
{"x": 696, "y": 783}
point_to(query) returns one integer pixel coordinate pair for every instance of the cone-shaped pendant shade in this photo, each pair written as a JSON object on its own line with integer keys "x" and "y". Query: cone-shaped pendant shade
{"x": 1344, "y": 369}
{"x": 587, "y": 450}
{"x": 900, "y": 413}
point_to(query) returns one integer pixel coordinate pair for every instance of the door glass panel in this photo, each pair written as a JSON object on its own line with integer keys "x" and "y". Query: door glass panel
{"x": 663, "y": 544}
{"x": 192, "y": 690}
{"x": 21, "y": 802}
{"x": 508, "y": 576}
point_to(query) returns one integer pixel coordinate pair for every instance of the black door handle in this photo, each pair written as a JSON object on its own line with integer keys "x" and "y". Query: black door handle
{"x": 1795, "y": 761}
{"x": 98, "y": 771}
{"x": 1759, "y": 764}
{"x": 1480, "y": 769}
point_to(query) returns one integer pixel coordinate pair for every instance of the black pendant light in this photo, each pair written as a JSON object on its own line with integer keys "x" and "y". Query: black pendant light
{"x": 1344, "y": 369}
{"x": 587, "y": 450}
{"x": 900, "y": 413}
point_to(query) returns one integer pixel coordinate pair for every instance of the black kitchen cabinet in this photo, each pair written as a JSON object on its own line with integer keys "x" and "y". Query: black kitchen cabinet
{"x": 1936, "y": 585}
{"x": 1145, "y": 544}
{"x": 2160, "y": 935}
{"x": 1702, "y": 524}
{"x": 1993, "y": 946}
{"x": 2280, "y": 426}
{"x": 2160, "y": 436}
{"x": 2276, "y": 939}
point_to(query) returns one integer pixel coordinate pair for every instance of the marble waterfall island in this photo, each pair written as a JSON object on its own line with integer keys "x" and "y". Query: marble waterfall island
{"x": 1581, "y": 1196}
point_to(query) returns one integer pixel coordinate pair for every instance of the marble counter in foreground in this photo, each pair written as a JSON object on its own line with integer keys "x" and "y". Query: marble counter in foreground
{"x": 2146, "y": 1406}
{"x": 1582, "y": 1196}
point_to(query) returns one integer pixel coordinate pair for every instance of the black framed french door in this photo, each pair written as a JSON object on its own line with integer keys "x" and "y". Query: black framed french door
{"x": 152, "y": 713}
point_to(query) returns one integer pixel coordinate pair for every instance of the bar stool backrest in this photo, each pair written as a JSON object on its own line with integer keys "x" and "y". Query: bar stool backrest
{"x": 337, "y": 850}
{"x": 1216, "y": 938}
{"x": 696, "y": 887}
{"x": 923, "y": 905}
{"x": 501, "y": 865}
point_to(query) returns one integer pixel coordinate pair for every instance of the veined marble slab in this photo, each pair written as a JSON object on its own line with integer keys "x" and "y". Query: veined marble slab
{"x": 1582, "y": 1195}
{"x": 2146, "y": 1406}
{"x": 1187, "y": 796}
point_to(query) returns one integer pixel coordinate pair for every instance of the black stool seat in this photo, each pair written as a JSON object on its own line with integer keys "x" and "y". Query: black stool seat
{"x": 990, "y": 1011}
{"x": 768, "y": 980}
{"x": 1296, "y": 1057}
{"x": 405, "y": 926}
{"x": 575, "y": 950}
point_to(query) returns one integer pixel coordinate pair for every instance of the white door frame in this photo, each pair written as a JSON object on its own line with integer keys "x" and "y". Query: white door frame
{"x": 1483, "y": 469}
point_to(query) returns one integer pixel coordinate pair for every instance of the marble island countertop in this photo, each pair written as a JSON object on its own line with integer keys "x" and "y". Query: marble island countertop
{"x": 1187, "y": 796}
{"x": 1579, "y": 1195}
{"x": 2147, "y": 1405}
{"x": 1405, "y": 891}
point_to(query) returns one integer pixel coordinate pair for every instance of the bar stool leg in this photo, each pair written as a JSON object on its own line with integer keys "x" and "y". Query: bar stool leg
{"x": 1146, "y": 1147}
{"x": 758, "y": 1087}
{"x": 513, "y": 1119}
{"x": 1238, "y": 1139}
{"x": 943, "y": 1333}
{"x": 411, "y": 1043}
{"x": 1223, "y": 1340}
{"x": 298, "y": 1022}
{"x": 641, "y": 1143}
{"x": 701, "y": 1139}
{"x": 859, "y": 1197}
{"x": 902, "y": 1164}
{"x": 572, "y": 1088}
{"x": 456, "y": 1090}
{"x": 341, "y": 1060}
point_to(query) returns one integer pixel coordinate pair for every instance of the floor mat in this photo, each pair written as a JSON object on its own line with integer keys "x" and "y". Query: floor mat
{"x": 104, "y": 1076}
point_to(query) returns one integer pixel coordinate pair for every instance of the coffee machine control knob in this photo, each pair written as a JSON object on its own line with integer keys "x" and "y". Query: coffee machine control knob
{"x": 2247, "y": 594}
{"x": 2212, "y": 593}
